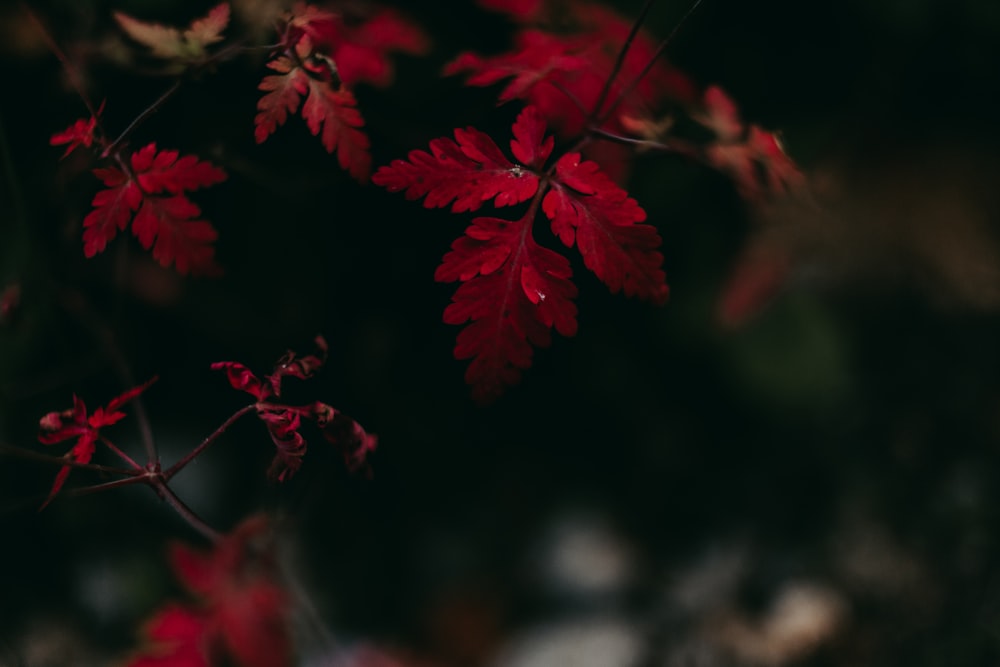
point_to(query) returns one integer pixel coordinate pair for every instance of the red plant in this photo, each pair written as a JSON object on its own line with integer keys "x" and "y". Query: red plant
{"x": 321, "y": 58}
{"x": 586, "y": 77}
{"x": 56, "y": 427}
{"x": 240, "y": 617}
{"x": 514, "y": 290}
{"x": 283, "y": 421}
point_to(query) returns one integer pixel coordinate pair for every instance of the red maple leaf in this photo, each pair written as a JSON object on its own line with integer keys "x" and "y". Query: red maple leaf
{"x": 515, "y": 291}
{"x": 284, "y": 421}
{"x": 149, "y": 193}
{"x": 56, "y": 427}
{"x": 241, "y": 618}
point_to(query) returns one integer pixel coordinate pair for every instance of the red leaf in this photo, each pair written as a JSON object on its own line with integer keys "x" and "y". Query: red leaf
{"x": 335, "y": 112}
{"x": 563, "y": 74}
{"x": 186, "y": 243}
{"x": 113, "y": 209}
{"x": 56, "y": 427}
{"x": 328, "y": 109}
{"x": 82, "y": 452}
{"x": 512, "y": 300}
{"x": 163, "y": 172}
{"x": 361, "y": 52}
{"x": 283, "y": 422}
{"x": 242, "y": 616}
{"x": 542, "y": 68}
{"x": 177, "y": 633}
{"x": 289, "y": 365}
{"x": 80, "y": 133}
{"x": 240, "y": 377}
{"x": 720, "y": 115}
{"x": 758, "y": 164}
{"x": 167, "y": 42}
{"x": 347, "y": 435}
{"x": 470, "y": 170}
{"x": 166, "y": 221}
{"x": 130, "y": 394}
{"x": 605, "y": 223}
{"x": 283, "y": 425}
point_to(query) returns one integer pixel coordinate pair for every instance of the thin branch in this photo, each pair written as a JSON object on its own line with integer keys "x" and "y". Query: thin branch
{"x": 194, "y": 453}
{"x": 649, "y": 65}
{"x": 122, "y": 455}
{"x": 570, "y": 96}
{"x": 96, "y": 488}
{"x": 30, "y": 455}
{"x": 186, "y": 513}
{"x": 75, "y": 302}
{"x": 676, "y": 146}
{"x": 74, "y": 76}
{"x": 620, "y": 61}
{"x": 138, "y": 120}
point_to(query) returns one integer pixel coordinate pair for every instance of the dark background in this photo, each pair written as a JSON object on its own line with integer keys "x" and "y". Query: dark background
{"x": 852, "y": 420}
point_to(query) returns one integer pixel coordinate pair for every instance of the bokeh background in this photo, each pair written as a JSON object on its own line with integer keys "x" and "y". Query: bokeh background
{"x": 815, "y": 486}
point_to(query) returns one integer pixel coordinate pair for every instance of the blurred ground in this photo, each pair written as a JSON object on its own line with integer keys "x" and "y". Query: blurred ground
{"x": 815, "y": 487}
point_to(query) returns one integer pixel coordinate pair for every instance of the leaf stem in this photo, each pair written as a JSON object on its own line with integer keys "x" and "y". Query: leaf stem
{"x": 194, "y": 453}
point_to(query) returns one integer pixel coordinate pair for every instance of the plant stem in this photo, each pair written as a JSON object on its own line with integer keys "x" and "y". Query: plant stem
{"x": 125, "y": 457}
{"x": 74, "y": 77}
{"x": 620, "y": 61}
{"x": 194, "y": 453}
{"x": 95, "y": 488}
{"x": 30, "y": 455}
{"x": 649, "y": 65}
{"x": 676, "y": 146}
{"x": 75, "y": 302}
{"x": 138, "y": 120}
{"x": 166, "y": 493}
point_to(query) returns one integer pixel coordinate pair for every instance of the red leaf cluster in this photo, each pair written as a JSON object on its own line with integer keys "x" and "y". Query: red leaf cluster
{"x": 148, "y": 189}
{"x": 562, "y": 69}
{"x": 753, "y": 157}
{"x": 514, "y": 291}
{"x": 323, "y": 55}
{"x": 240, "y": 618}
{"x": 284, "y": 421}
{"x": 56, "y": 427}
